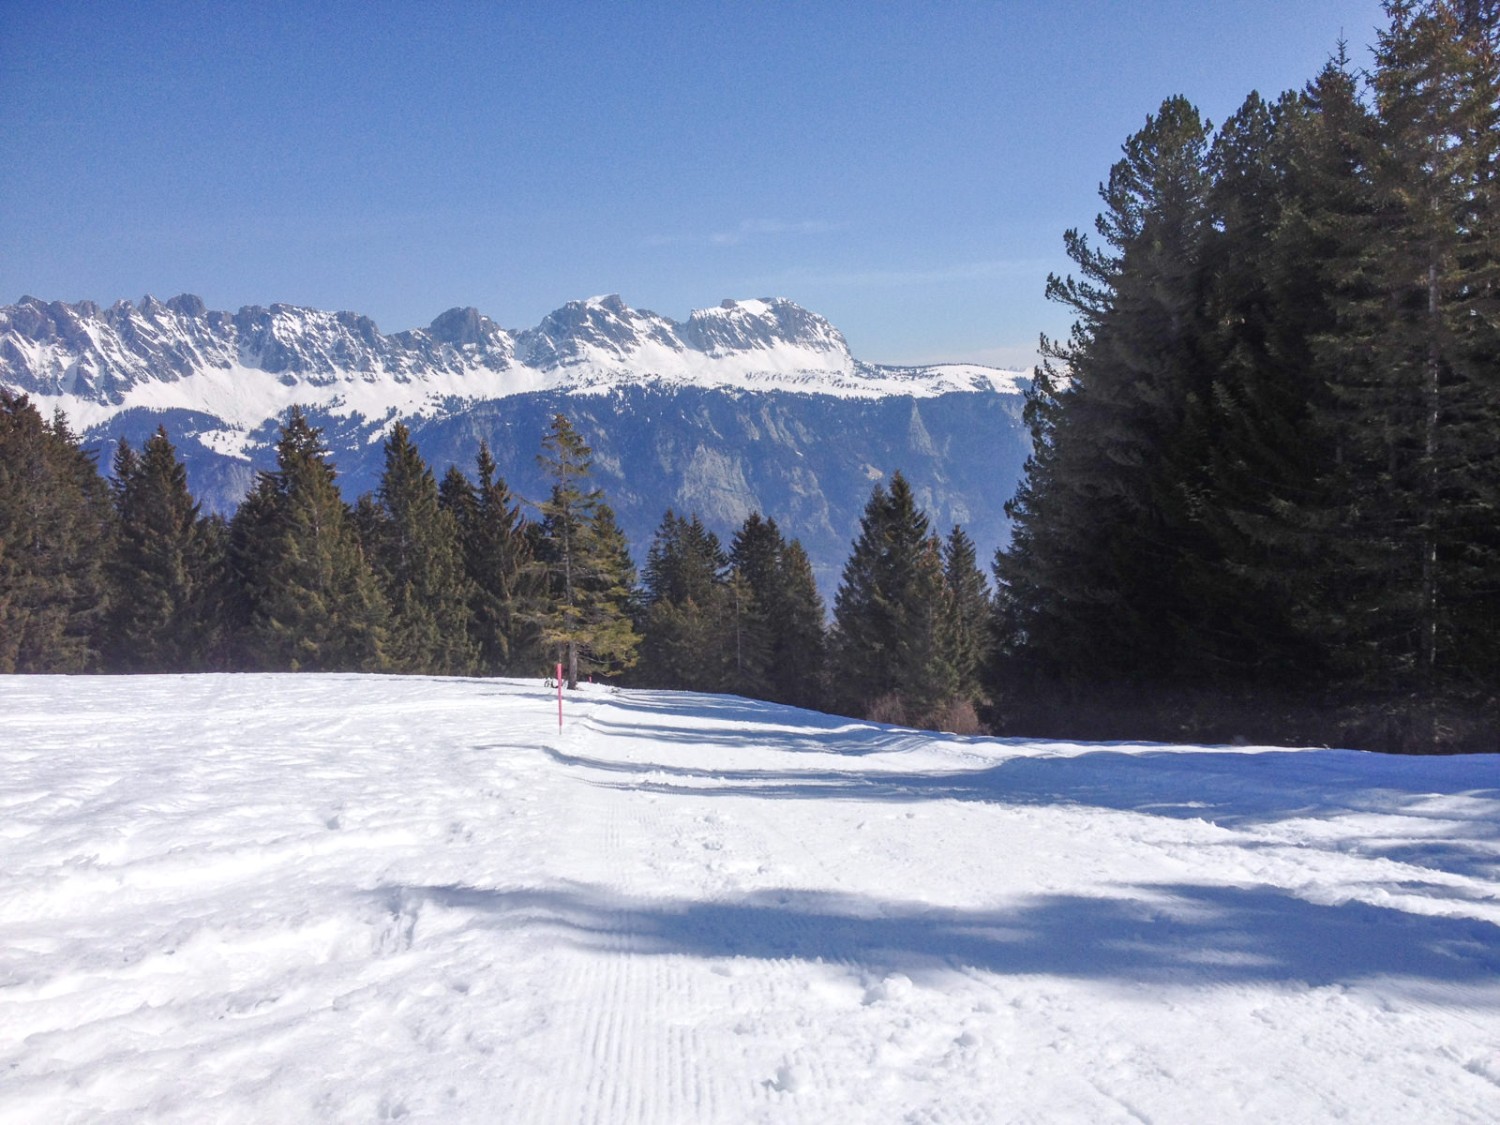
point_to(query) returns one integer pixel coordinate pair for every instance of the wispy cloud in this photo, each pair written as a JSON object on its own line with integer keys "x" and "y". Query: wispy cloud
{"x": 746, "y": 231}
{"x": 934, "y": 275}
{"x": 756, "y": 228}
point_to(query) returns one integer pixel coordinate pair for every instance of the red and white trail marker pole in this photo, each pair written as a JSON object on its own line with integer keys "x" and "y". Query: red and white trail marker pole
{"x": 559, "y": 695}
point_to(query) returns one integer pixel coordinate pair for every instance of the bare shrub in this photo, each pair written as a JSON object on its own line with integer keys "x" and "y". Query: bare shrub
{"x": 889, "y": 708}
{"x": 957, "y": 716}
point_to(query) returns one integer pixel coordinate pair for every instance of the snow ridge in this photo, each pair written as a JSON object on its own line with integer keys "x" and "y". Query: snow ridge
{"x": 246, "y": 367}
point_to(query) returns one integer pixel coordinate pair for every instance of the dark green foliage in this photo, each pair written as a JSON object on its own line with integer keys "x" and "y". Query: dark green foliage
{"x": 582, "y": 556}
{"x": 413, "y": 544}
{"x": 164, "y": 568}
{"x": 967, "y": 605}
{"x": 683, "y": 639}
{"x": 783, "y": 618}
{"x": 1102, "y": 528}
{"x": 307, "y": 598}
{"x": 800, "y": 674}
{"x": 56, "y": 525}
{"x": 497, "y": 551}
{"x": 895, "y": 646}
{"x": 1265, "y": 461}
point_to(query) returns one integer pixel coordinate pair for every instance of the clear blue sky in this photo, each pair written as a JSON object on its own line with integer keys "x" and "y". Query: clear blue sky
{"x": 905, "y": 169}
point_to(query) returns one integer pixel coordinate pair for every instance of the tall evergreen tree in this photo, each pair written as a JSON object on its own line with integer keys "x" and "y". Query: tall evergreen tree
{"x": 581, "y": 551}
{"x": 799, "y": 654}
{"x": 887, "y": 612}
{"x": 784, "y": 618}
{"x": 1103, "y": 525}
{"x": 56, "y": 523}
{"x": 309, "y": 599}
{"x": 967, "y": 604}
{"x": 1430, "y": 268}
{"x": 682, "y": 639}
{"x": 161, "y": 566}
{"x": 498, "y": 559}
{"x": 927, "y": 678}
{"x": 414, "y": 546}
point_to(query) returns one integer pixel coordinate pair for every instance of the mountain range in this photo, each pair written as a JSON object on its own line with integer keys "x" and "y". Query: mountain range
{"x": 752, "y": 405}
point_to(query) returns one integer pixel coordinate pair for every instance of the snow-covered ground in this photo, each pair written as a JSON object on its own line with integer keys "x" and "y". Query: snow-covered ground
{"x": 345, "y": 898}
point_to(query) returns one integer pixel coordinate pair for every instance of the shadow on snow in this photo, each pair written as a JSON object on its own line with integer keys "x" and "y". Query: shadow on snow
{"x": 1176, "y": 936}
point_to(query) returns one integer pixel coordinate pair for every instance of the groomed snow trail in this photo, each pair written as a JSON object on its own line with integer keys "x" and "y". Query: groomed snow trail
{"x": 353, "y": 898}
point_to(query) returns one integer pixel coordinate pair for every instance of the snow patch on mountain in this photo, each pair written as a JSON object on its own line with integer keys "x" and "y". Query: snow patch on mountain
{"x": 247, "y": 367}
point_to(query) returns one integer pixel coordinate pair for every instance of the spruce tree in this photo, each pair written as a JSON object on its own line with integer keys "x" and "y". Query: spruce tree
{"x": 161, "y": 568}
{"x": 880, "y": 630}
{"x": 308, "y": 598}
{"x": 785, "y": 614}
{"x": 497, "y": 554}
{"x": 967, "y": 604}
{"x": 1103, "y": 525}
{"x": 799, "y": 657}
{"x": 415, "y": 549}
{"x": 680, "y": 647}
{"x": 582, "y": 554}
{"x": 56, "y": 525}
{"x": 1435, "y": 264}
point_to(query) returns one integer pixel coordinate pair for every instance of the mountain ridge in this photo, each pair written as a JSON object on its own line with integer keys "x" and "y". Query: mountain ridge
{"x": 95, "y": 362}
{"x": 753, "y": 405}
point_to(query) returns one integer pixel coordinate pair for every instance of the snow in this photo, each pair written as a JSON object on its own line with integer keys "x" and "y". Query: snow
{"x": 349, "y": 898}
{"x": 345, "y": 374}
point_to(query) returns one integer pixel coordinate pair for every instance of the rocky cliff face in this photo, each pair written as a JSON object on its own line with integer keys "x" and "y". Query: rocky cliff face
{"x": 753, "y": 405}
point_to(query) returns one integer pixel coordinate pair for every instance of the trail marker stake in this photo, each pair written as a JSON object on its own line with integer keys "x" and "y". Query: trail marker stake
{"x": 559, "y": 695}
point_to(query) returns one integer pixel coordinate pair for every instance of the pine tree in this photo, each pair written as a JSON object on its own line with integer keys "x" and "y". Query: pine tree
{"x": 582, "y": 553}
{"x": 415, "y": 549}
{"x": 498, "y": 559}
{"x": 681, "y": 646}
{"x": 1091, "y": 585}
{"x": 926, "y": 676}
{"x": 882, "y": 631}
{"x": 161, "y": 569}
{"x": 746, "y": 638}
{"x": 56, "y": 523}
{"x": 967, "y": 604}
{"x": 308, "y": 598}
{"x": 1436, "y": 267}
{"x": 783, "y": 620}
{"x": 800, "y": 641}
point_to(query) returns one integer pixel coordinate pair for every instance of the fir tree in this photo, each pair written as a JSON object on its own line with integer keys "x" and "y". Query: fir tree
{"x": 882, "y": 629}
{"x": 1103, "y": 524}
{"x": 967, "y": 604}
{"x": 800, "y": 641}
{"x": 307, "y": 596}
{"x": 161, "y": 569}
{"x": 784, "y": 616}
{"x": 414, "y": 546}
{"x": 679, "y": 648}
{"x": 497, "y": 554}
{"x": 582, "y": 554}
{"x": 56, "y": 524}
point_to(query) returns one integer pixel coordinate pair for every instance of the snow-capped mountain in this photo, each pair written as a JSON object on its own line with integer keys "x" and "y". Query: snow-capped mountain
{"x": 247, "y": 366}
{"x": 752, "y": 405}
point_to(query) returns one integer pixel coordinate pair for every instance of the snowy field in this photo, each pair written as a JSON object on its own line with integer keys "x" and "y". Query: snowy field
{"x": 347, "y": 898}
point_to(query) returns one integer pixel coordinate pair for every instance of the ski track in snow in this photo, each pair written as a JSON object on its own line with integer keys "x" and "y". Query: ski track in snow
{"x": 357, "y": 898}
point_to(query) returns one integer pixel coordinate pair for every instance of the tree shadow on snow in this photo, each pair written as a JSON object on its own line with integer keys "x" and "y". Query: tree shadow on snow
{"x": 1187, "y": 936}
{"x": 1228, "y": 788}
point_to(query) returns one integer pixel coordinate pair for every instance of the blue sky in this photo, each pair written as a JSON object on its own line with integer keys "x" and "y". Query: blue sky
{"x": 907, "y": 170}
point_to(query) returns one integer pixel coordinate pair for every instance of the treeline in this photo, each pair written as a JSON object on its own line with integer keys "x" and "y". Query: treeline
{"x": 461, "y": 576}
{"x": 449, "y": 578}
{"x": 1264, "y": 497}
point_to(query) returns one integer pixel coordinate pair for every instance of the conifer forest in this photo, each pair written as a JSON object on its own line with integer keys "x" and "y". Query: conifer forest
{"x": 1263, "y": 500}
